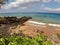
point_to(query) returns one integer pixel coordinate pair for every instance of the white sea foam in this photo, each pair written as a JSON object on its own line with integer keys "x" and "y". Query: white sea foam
{"x": 54, "y": 25}
{"x": 40, "y": 23}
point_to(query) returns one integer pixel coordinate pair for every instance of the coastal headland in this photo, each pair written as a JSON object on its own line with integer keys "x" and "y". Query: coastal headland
{"x": 30, "y": 28}
{"x": 12, "y": 26}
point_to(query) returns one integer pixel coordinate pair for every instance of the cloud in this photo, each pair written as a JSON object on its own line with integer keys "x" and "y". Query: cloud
{"x": 28, "y": 5}
{"x": 51, "y": 9}
{"x": 57, "y": 0}
{"x": 20, "y": 3}
{"x": 24, "y": 4}
{"x": 46, "y": 1}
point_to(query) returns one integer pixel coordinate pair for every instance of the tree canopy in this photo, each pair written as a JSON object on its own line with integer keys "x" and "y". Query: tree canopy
{"x": 2, "y": 2}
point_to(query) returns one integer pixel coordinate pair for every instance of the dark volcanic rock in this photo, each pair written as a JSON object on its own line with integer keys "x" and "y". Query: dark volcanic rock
{"x": 12, "y": 20}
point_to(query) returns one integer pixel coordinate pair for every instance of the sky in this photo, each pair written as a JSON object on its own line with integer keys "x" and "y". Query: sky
{"x": 31, "y": 6}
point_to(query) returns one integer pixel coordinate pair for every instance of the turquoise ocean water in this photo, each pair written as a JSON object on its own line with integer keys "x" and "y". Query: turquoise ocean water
{"x": 40, "y": 17}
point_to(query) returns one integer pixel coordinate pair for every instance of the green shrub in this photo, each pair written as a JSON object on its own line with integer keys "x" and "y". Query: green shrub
{"x": 19, "y": 40}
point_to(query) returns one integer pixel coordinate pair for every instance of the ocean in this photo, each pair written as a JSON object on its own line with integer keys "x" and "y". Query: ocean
{"x": 53, "y": 18}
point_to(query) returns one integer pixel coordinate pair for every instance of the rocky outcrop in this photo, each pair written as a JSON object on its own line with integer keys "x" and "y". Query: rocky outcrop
{"x": 12, "y": 20}
{"x": 24, "y": 19}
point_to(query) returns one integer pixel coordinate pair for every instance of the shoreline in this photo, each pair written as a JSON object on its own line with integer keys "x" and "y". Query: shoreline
{"x": 44, "y": 24}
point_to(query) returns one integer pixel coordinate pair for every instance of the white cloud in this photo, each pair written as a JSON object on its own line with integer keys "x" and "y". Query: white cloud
{"x": 57, "y": 0}
{"x": 23, "y": 7}
{"x": 24, "y": 4}
{"x": 46, "y": 1}
{"x": 51, "y": 9}
{"x": 20, "y": 3}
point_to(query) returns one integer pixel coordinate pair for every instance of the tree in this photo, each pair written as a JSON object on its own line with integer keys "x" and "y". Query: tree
{"x": 2, "y": 2}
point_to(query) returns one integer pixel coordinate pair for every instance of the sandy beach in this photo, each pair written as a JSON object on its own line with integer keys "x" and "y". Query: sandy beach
{"x": 30, "y": 29}
{"x": 48, "y": 29}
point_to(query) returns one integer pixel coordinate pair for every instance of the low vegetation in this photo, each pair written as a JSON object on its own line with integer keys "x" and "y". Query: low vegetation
{"x": 20, "y": 40}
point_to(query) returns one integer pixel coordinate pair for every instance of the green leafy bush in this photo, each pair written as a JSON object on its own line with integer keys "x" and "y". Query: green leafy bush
{"x": 19, "y": 40}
